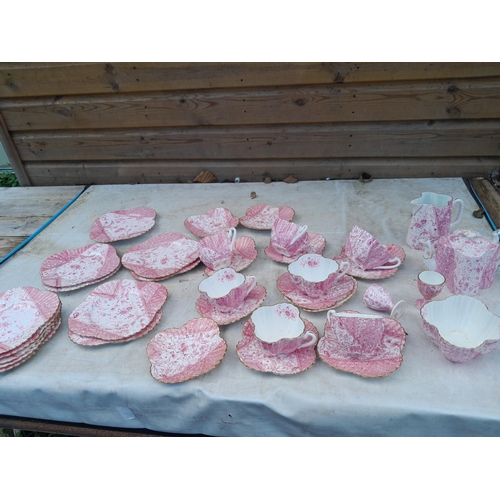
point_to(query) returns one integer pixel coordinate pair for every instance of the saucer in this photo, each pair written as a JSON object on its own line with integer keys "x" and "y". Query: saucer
{"x": 180, "y": 354}
{"x": 384, "y": 360}
{"x": 316, "y": 245}
{"x": 253, "y": 300}
{"x": 212, "y": 222}
{"x": 254, "y": 356}
{"x": 244, "y": 253}
{"x": 343, "y": 290}
{"x": 185, "y": 269}
{"x": 375, "y": 274}
{"x": 263, "y": 217}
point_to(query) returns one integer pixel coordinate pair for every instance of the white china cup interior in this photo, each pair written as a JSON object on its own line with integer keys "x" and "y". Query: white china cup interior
{"x": 431, "y": 278}
{"x": 221, "y": 283}
{"x": 271, "y": 323}
{"x": 318, "y": 272}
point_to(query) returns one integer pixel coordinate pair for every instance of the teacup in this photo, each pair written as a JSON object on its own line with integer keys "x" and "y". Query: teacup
{"x": 227, "y": 289}
{"x": 216, "y": 251}
{"x": 315, "y": 275}
{"x": 367, "y": 252}
{"x": 280, "y": 329}
{"x": 288, "y": 238}
{"x": 358, "y": 334}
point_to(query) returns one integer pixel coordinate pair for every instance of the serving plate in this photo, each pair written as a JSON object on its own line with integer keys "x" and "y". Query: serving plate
{"x": 212, "y": 222}
{"x": 263, "y": 217}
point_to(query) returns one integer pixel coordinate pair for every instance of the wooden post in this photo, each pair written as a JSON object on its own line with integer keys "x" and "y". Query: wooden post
{"x": 13, "y": 155}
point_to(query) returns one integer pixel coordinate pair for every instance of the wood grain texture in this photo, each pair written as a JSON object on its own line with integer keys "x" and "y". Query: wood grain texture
{"x": 29, "y": 80}
{"x": 153, "y": 171}
{"x": 8, "y": 243}
{"x": 430, "y": 100}
{"x": 489, "y": 197}
{"x": 13, "y": 154}
{"x": 396, "y": 139}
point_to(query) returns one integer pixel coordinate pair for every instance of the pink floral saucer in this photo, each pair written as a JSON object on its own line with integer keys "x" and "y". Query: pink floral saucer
{"x": 118, "y": 309}
{"x": 316, "y": 245}
{"x": 343, "y": 290}
{"x": 253, "y": 300}
{"x": 264, "y": 216}
{"x": 377, "y": 274}
{"x": 93, "y": 341}
{"x": 254, "y": 356}
{"x": 212, "y": 222}
{"x": 161, "y": 278}
{"x": 180, "y": 354}
{"x": 161, "y": 256}
{"x": 122, "y": 224}
{"x": 79, "y": 267}
{"x": 384, "y": 360}
{"x": 244, "y": 253}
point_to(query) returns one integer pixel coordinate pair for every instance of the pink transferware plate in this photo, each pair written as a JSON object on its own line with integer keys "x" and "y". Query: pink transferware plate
{"x": 316, "y": 245}
{"x": 162, "y": 255}
{"x": 122, "y": 224}
{"x": 81, "y": 285}
{"x": 117, "y": 309}
{"x": 252, "y": 301}
{"x": 254, "y": 356}
{"x": 384, "y": 360}
{"x": 93, "y": 341}
{"x": 376, "y": 274}
{"x": 78, "y": 267}
{"x": 180, "y": 354}
{"x": 23, "y": 312}
{"x": 26, "y": 354}
{"x": 212, "y": 222}
{"x": 343, "y": 290}
{"x": 264, "y": 216}
{"x": 161, "y": 278}
{"x": 244, "y": 253}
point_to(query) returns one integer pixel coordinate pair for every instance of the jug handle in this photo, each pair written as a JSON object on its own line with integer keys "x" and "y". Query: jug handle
{"x": 232, "y": 235}
{"x": 428, "y": 249}
{"x": 460, "y": 212}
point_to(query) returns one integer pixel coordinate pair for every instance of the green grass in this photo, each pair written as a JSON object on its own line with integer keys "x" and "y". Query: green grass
{"x": 8, "y": 179}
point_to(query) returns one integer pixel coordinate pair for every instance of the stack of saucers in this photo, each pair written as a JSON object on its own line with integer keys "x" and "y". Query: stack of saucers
{"x": 29, "y": 317}
{"x": 161, "y": 257}
{"x": 73, "y": 269}
{"x": 117, "y": 311}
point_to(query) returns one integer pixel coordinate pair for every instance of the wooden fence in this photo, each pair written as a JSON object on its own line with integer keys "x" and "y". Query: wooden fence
{"x": 111, "y": 123}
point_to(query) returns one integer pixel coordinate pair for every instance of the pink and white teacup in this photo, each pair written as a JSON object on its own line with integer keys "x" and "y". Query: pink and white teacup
{"x": 288, "y": 238}
{"x": 216, "y": 251}
{"x": 227, "y": 289}
{"x": 315, "y": 275}
{"x": 367, "y": 252}
{"x": 376, "y": 297}
{"x": 280, "y": 329}
{"x": 358, "y": 334}
{"x": 430, "y": 284}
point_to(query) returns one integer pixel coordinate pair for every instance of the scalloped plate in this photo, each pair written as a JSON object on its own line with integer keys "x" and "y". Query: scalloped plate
{"x": 211, "y": 222}
{"x": 263, "y": 217}
{"x": 316, "y": 245}
{"x": 244, "y": 253}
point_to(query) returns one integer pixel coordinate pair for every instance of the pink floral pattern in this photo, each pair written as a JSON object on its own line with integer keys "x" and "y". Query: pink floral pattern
{"x": 212, "y": 222}
{"x": 122, "y": 224}
{"x": 378, "y": 298}
{"x": 316, "y": 244}
{"x": 161, "y": 256}
{"x": 244, "y": 253}
{"x": 264, "y": 216}
{"x": 79, "y": 267}
{"x": 181, "y": 354}
{"x": 383, "y": 360}
{"x": 254, "y": 356}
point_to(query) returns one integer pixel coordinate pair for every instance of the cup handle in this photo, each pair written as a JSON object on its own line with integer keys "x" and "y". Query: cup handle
{"x": 253, "y": 279}
{"x": 459, "y": 202}
{"x": 329, "y": 314}
{"x": 232, "y": 235}
{"x": 398, "y": 310}
{"x": 311, "y": 342}
{"x": 344, "y": 267}
{"x": 300, "y": 233}
{"x": 397, "y": 264}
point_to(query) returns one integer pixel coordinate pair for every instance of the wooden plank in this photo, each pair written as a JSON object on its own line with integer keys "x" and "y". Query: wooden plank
{"x": 393, "y": 139}
{"x": 20, "y": 226}
{"x": 489, "y": 197}
{"x": 96, "y": 78}
{"x": 34, "y": 201}
{"x": 432, "y": 100}
{"x": 12, "y": 154}
{"x": 153, "y": 171}
{"x": 7, "y": 244}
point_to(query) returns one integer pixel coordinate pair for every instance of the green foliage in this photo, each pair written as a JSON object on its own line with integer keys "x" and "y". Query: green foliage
{"x": 8, "y": 179}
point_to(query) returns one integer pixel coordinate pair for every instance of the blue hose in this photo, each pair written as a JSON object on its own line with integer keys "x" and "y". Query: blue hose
{"x": 39, "y": 230}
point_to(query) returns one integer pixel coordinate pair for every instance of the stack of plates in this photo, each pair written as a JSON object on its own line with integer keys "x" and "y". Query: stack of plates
{"x": 79, "y": 267}
{"x": 162, "y": 257}
{"x": 28, "y": 318}
{"x": 117, "y": 311}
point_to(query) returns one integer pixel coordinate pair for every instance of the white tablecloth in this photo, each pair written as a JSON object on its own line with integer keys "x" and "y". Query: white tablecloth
{"x": 112, "y": 385}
